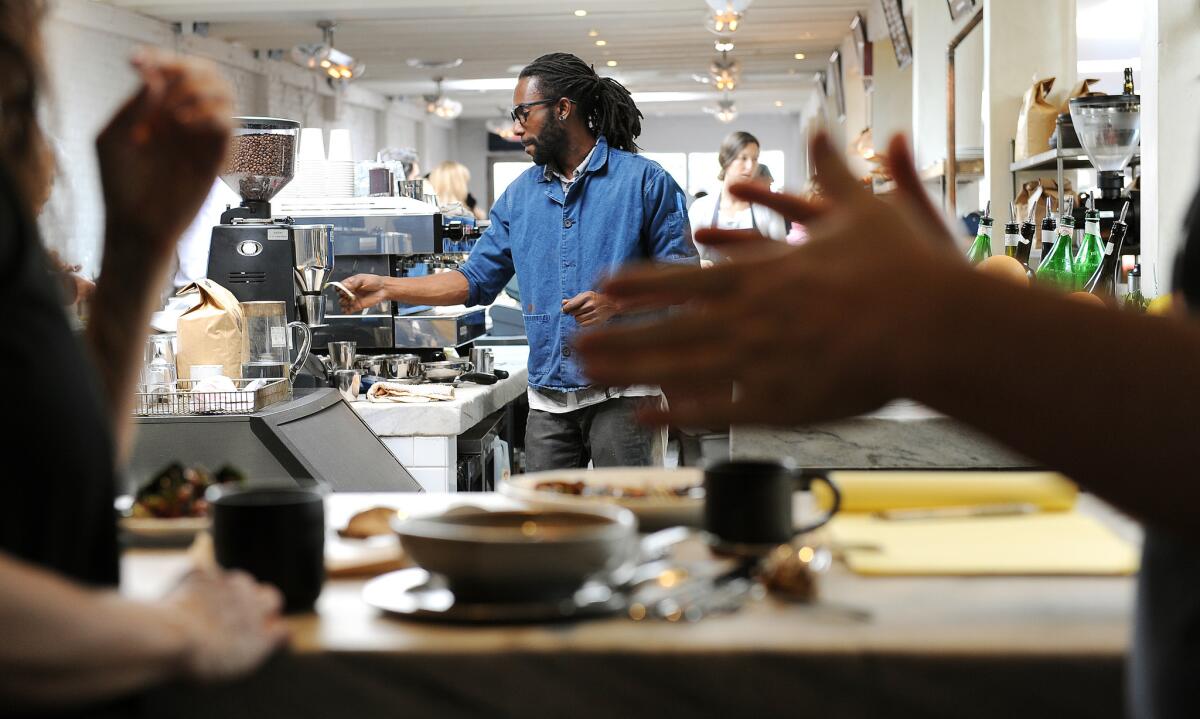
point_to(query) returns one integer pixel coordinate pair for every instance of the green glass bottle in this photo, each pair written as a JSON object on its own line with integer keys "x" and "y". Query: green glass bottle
{"x": 981, "y": 248}
{"x": 1057, "y": 269}
{"x": 1091, "y": 250}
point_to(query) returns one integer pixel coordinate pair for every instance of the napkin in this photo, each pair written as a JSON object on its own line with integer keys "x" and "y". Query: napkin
{"x": 408, "y": 393}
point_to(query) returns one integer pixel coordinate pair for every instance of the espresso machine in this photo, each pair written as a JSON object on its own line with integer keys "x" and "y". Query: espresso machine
{"x": 393, "y": 237}
{"x": 1109, "y": 130}
{"x": 263, "y": 258}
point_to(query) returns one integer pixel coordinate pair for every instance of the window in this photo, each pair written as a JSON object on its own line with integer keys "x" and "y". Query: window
{"x": 503, "y": 174}
{"x": 675, "y": 163}
{"x": 703, "y": 169}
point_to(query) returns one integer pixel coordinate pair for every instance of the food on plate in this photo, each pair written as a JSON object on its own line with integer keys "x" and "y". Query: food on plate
{"x": 178, "y": 491}
{"x": 369, "y": 523}
{"x": 596, "y": 489}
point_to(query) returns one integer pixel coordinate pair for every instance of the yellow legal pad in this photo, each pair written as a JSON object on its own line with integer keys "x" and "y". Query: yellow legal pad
{"x": 1046, "y": 543}
{"x": 873, "y": 491}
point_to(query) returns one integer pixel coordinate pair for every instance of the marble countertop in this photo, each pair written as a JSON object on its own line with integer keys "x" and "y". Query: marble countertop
{"x": 470, "y": 405}
{"x": 900, "y": 435}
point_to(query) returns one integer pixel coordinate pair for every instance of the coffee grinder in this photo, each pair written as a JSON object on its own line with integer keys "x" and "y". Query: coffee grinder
{"x": 257, "y": 257}
{"x": 1109, "y": 129}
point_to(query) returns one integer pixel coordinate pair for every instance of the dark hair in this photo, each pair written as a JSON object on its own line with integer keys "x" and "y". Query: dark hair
{"x": 23, "y": 149}
{"x": 731, "y": 147}
{"x": 605, "y": 104}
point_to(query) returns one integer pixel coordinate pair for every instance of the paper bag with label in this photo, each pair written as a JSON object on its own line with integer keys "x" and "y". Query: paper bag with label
{"x": 212, "y": 332}
{"x": 1035, "y": 124}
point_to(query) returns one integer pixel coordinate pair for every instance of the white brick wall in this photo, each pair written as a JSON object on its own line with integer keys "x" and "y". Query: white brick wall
{"x": 88, "y": 49}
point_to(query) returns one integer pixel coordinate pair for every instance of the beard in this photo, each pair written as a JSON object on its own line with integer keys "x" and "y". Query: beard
{"x": 549, "y": 145}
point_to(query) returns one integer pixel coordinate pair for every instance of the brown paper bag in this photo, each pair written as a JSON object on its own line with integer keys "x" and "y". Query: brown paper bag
{"x": 212, "y": 332}
{"x": 1035, "y": 124}
{"x": 1033, "y": 194}
{"x": 1083, "y": 88}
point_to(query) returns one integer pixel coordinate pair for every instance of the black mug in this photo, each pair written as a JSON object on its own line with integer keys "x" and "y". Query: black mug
{"x": 276, "y": 534}
{"x": 750, "y": 502}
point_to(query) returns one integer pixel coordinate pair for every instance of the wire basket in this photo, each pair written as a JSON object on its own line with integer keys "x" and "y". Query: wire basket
{"x": 182, "y": 401}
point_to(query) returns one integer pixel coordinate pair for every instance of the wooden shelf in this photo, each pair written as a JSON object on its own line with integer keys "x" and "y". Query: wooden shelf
{"x": 967, "y": 170}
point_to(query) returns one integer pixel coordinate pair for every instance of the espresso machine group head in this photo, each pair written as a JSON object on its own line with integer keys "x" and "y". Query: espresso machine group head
{"x": 254, "y": 255}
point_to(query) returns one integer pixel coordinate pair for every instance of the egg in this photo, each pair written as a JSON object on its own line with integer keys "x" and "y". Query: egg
{"x": 1005, "y": 268}
{"x": 1087, "y": 297}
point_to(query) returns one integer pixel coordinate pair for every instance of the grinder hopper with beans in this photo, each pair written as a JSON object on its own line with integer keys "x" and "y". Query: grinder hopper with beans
{"x": 258, "y": 257}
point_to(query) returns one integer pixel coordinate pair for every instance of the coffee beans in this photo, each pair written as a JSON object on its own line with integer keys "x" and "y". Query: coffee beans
{"x": 262, "y": 154}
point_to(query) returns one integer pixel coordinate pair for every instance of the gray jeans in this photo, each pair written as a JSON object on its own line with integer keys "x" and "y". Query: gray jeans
{"x": 606, "y": 434}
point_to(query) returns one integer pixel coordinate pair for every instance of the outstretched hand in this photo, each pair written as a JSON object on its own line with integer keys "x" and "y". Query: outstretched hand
{"x": 808, "y": 333}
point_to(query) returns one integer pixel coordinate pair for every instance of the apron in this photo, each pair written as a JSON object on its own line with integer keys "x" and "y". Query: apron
{"x": 717, "y": 215}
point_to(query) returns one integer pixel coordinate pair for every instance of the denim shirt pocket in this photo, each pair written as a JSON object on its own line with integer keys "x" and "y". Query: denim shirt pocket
{"x": 538, "y": 329}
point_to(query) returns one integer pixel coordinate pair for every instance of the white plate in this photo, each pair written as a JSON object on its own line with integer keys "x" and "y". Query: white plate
{"x": 654, "y": 512}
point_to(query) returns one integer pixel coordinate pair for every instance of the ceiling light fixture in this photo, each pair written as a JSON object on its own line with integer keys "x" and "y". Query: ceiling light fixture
{"x": 502, "y": 127}
{"x": 725, "y": 111}
{"x": 440, "y": 105}
{"x": 725, "y": 72}
{"x": 799, "y": 56}
{"x": 601, "y": 43}
{"x": 327, "y": 60}
{"x": 593, "y": 33}
{"x": 723, "y": 46}
{"x": 611, "y": 63}
{"x": 581, "y": 13}
{"x": 725, "y": 16}
{"x": 779, "y": 103}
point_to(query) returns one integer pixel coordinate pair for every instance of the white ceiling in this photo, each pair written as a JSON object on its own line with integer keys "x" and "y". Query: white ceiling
{"x": 658, "y": 44}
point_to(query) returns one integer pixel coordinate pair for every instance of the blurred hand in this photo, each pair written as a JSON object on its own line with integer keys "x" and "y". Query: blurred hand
{"x": 369, "y": 290}
{"x": 590, "y": 308}
{"x": 808, "y": 333}
{"x": 160, "y": 153}
{"x": 75, "y": 287}
{"x": 232, "y": 622}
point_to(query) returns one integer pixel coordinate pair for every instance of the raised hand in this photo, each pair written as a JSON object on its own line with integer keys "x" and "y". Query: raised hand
{"x": 159, "y": 156}
{"x": 808, "y": 333}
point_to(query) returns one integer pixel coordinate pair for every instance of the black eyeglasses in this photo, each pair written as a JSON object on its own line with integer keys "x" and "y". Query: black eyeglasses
{"x": 520, "y": 113}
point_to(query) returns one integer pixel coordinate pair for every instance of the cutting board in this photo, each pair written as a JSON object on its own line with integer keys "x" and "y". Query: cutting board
{"x": 1047, "y": 543}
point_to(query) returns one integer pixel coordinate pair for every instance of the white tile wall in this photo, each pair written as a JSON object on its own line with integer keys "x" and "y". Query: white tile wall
{"x": 432, "y": 461}
{"x": 430, "y": 451}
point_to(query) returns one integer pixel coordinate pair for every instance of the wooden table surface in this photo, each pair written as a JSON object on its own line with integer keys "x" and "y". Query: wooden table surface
{"x": 1033, "y": 622}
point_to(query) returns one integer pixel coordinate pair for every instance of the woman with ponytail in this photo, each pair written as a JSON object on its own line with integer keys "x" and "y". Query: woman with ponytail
{"x": 589, "y": 206}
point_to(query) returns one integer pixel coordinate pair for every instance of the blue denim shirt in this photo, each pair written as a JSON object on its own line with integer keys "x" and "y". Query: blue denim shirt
{"x": 624, "y": 208}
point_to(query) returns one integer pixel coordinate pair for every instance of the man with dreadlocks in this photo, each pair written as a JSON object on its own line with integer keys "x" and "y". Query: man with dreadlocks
{"x": 590, "y": 205}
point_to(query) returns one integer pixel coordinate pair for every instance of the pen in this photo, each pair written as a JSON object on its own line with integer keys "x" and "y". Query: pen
{"x": 980, "y": 510}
